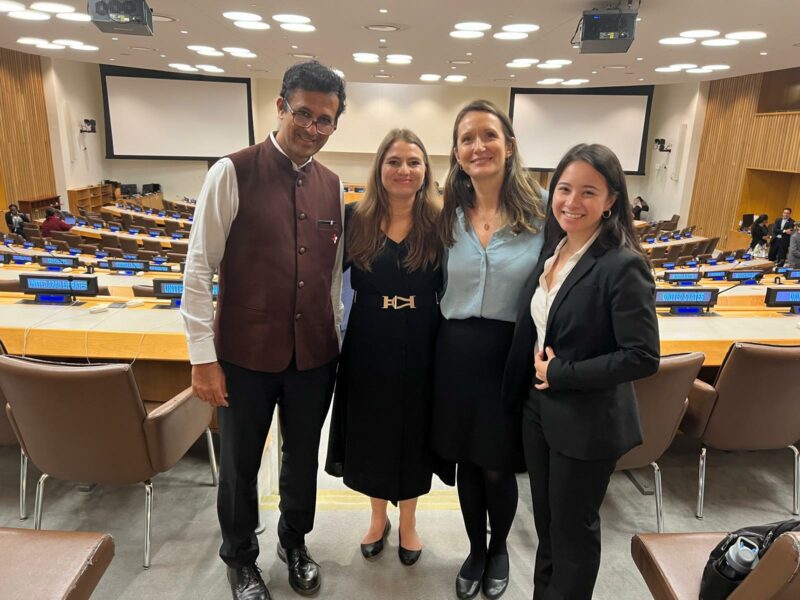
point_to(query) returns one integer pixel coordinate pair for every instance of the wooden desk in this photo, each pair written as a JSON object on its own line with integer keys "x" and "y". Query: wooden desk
{"x": 681, "y": 242}
{"x": 187, "y": 206}
{"x": 91, "y": 232}
{"x": 153, "y": 200}
{"x": 116, "y": 211}
{"x": 640, "y": 224}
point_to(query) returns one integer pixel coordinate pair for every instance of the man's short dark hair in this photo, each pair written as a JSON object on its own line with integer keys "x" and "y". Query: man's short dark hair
{"x": 313, "y": 76}
{"x": 49, "y": 211}
{"x": 787, "y": 208}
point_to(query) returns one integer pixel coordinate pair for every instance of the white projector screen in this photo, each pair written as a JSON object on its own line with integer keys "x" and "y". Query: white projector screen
{"x": 549, "y": 122}
{"x": 150, "y": 114}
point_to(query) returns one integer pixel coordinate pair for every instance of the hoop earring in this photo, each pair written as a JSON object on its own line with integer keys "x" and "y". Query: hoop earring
{"x": 607, "y": 213}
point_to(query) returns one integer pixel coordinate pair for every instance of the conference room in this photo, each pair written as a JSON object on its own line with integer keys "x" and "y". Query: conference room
{"x": 114, "y": 113}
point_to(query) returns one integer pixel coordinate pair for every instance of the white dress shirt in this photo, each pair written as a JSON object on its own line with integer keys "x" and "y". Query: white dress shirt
{"x": 543, "y": 296}
{"x": 217, "y": 206}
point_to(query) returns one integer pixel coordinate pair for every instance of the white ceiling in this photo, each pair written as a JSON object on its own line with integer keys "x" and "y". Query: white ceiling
{"x": 424, "y": 34}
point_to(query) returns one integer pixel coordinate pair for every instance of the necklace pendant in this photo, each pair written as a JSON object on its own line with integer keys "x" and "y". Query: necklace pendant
{"x": 486, "y": 227}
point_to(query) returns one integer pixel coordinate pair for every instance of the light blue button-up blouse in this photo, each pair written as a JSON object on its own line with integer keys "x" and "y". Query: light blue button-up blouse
{"x": 487, "y": 282}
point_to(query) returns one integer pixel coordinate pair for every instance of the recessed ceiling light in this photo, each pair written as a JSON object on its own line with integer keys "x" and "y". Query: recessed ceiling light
{"x": 241, "y": 16}
{"x": 466, "y": 35}
{"x": 86, "y": 48}
{"x": 70, "y": 43}
{"x": 52, "y": 7}
{"x": 298, "y": 27}
{"x": 29, "y": 15}
{"x": 183, "y": 31}
{"x": 115, "y": 39}
{"x": 382, "y": 28}
{"x": 291, "y": 19}
{"x": 163, "y": 55}
{"x": 382, "y": 41}
{"x": 699, "y": 33}
{"x": 719, "y": 42}
{"x": 258, "y": 25}
{"x": 764, "y": 53}
{"x": 112, "y": 59}
{"x": 558, "y": 61}
{"x": 594, "y": 72}
{"x": 550, "y": 81}
{"x": 163, "y": 19}
{"x": 211, "y": 52}
{"x": 429, "y": 77}
{"x": 399, "y": 59}
{"x": 142, "y": 48}
{"x": 305, "y": 56}
{"x": 699, "y": 71}
{"x": 8, "y": 6}
{"x": 530, "y": 61}
{"x": 746, "y": 35}
{"x": 667, "y": 70}
{"x": 717, "y": 67}
{"x": 641, "y": 78}
{"x": 194, "y": 48}
{"x": 473, "y": 26}
{"x": 510, "y": 35}
{"x": 383, "y": 10}
{"x": 460, "y": 62}
{"x": 31, "y": 41}
{"x": 521, "y": 27}
{"x": 615, "y": 66}
{"x": 676, "y": 41}
{"x": 512, "y": 75}
{"x": 365, "y": 57}
{"x": 468, "y": 53}
{"x": 80, "y": 17}
{"x": 638, "y": 19}
{"x": 518, "y": 65}
{"x": 49, "y": 46}
{"x": 210, "y": 68}
{"x": 681, "y": 66}
{"x": 453, "y": 68}
{"x": 548, "y": 66}
{"x": 455, "y": 78}
{"x": 382, "y": 76}
{"x": 576, "y": 45}
{"x": 574, "y": 81}
{"x": 639, "y": 58}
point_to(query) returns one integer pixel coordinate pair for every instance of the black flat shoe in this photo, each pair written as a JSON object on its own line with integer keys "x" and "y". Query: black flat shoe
{"x": 407, "y": 557}
{"x": 246, "y": 583}
{"x": 467, "y": 588}
{"x": 373, "y": 549}
{"x": 494, "y": 588}
{"x": 304, "y": 575}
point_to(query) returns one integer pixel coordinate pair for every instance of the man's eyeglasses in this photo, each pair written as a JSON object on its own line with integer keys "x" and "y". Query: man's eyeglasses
{"x": 304, "y": 120}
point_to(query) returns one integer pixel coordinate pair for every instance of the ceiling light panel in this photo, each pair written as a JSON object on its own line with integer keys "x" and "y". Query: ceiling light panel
{"x": 746, "y": 35}
{"x": 699, "y": 33}
{"x": 699, "y": 71}
{"x": 430, "y": 77}
{"x": 677, "y": 41}
{"x": 365, "y": 57}
{"x": 256, "y": 25}
{"x": 473, "y": 26}
{"x": 521, "y": 27}
{"x": 455, "y": 78}
{"x": 510, "y": 35}
{"x": 52, "y": 7}
{"x": 291, "y": 19}
{"x": 77, "y": 17}
{"x": 298, "y": 27}
{"x": 29, "y": 15}
{"x": 466, "y": 35}
{"x": 241, "y": 16}
{"x": 31, "y": 41}
{"x": 719, "y": 42}
{"x": 7, "y": 6}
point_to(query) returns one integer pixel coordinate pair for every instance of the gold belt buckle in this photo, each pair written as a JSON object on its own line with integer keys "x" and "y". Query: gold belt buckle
{"x": 394, "y": 302}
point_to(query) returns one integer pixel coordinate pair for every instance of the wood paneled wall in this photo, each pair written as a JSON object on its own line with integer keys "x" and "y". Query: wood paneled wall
{"x": 26, "y": 163}
{"x": 734, "y": 139}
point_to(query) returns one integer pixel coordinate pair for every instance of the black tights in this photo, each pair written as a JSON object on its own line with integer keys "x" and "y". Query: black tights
{"x": 480, "y": 492}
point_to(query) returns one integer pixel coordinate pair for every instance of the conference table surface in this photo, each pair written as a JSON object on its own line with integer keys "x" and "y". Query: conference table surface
{"x": 116, "y": 211}
{"x": 92, "y": 233}
{"x": 673, "y": 242}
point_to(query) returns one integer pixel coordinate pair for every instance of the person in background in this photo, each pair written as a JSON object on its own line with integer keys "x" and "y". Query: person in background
{"x": 490, "y": 224}
{"x": 793, "y": 255}
{"x": 269, "y": 219}
{"x": 639, "y": 206}
{"x": 15, "y": 218}
{"x": 758, "y": 237}
{"x": 380, "y": 426}
{"x": 781, "y": 232}
{"x": 586, "y": 330}
{"x": 53, "y": 222}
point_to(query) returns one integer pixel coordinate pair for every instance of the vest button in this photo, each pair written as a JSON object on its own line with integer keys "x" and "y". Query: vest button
{"x": 302, "y": 216}
{"x": 301, "y": 284}
{"x": 298, "y": 316}
{"x": 302, "y": 250}
{"x": 299, "y": 183}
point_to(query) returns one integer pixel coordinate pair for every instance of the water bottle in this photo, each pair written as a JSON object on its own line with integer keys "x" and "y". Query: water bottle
{"x": 739, "y": 560}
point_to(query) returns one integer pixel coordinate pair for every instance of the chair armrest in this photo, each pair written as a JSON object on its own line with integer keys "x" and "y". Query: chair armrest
{"x": 702, "y": 398}
{"x": 776, "y": 574}
{"x": 173, "y": 427}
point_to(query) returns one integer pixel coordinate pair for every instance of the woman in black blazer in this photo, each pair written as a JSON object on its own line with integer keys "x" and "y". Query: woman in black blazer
{"x": 587, "y": 329}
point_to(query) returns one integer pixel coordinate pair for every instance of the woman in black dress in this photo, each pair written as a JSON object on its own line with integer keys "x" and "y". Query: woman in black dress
{"x": 381, "y": 414}
{"x": 759, "y": 234}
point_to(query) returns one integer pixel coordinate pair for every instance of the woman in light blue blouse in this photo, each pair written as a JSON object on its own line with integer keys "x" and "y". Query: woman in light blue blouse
{"x": 490, "y": 223}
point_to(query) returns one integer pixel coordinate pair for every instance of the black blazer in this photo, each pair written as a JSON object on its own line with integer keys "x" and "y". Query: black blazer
{"x": 603, "y": 329}
{"x": 776, "y": 229}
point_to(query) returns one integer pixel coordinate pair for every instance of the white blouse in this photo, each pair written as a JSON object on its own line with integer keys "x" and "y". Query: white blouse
{"x": 543, "y": 297}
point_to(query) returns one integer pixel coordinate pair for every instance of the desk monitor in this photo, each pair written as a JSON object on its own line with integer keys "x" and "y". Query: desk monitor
{"x": 792, "y": 275}
{"x": 682, "y": 276}
{"x": 149, "y": 188}
{"x": 129, "y": 189}
{"x": 681, "y": 301}
{"x": 128, "y": 266}
{"x": 70, "y": 220}
{"x": 784, "y": 297}
{"x": 159, "y": 268}
{"x": 747, "y": 220}
{"x": 172, "y": 289}
{"x": 56, "y": 288}
{"x": 715, "y": 275}
{"x": 21, "y": 259}
{"x": 745, "y": 275}
{"x": 58, "y": 262}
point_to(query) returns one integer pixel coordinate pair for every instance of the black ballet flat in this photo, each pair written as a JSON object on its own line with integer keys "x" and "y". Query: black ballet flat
{"x": 407, "y": 557}
{"x": 373, "y": 549}
{"x": 467, "y": 588}
{"x": 494, "y": 588}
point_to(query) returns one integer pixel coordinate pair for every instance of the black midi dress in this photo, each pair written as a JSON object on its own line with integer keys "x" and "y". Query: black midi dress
{"x": 380, "y": 426}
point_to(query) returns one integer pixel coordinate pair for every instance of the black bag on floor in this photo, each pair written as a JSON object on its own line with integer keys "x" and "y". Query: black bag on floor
{"x": 738, "y": 554}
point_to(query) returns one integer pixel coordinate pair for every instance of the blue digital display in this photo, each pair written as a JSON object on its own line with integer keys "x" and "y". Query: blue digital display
{"x": 788, "y": 296}
{"x": 132, "y": 231}
{"x": 152, "y": 233}
{"x": 793, "y": 274}
{"x": 97, "y": 225}
{"x": 27, "y": 244}
{"x": 666, "y": 297}
{"x": 715, "y": 274}
{"x": 56, "y": 261}
{"x": 57, "y": 284}
{"x": 743, "y": 275}
{"x": 114, "y": 228}
{"x": 100, "y": 254}
{"x": 22, "y": 259}
{"x": 127, "y": 265}
{"x": 50, "y": 248}
{"x": 669, "y": 265}
{"x": 173, "y": 289}
{"x": 130, "y": 256}
{"x": 685, "y": 276}
{"x": 161, "y": 213}
{"x": 160, "y": 268}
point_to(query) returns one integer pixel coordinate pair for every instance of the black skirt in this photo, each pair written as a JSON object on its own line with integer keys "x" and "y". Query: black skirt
{"x": 469, "y": 423}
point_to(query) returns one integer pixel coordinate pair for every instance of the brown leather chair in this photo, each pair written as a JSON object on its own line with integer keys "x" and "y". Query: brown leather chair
{"x": 109, "y": 240}
{"x": 171, "y": 226}
{"x": 672, "y": 564}
{"x": 179, "y": 247}
{"x": 64, "y": 565}
{"x": 128, "y": 245}
{"x": 8, "y": 438}
{"x": 662, "y": 400}
{"x": 658, "y": 252}
{"x": 152, "y": 245}
{"x": 144, "y": 291}
{"x": 96, "y": 428}
{"x": 732, "y": 415}
{"x": 148, "y": 255}
{"x": 10, "y": 285}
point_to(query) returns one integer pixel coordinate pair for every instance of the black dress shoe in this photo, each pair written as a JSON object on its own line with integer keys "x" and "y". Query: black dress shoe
{"x": 467, "y": 588}
{"x": 494, "y": 588}
{"x": 408, "y": 557}
{"x": 373, "y": 549}
{"x": 246, "y": 583}
{"x": 304, "y": 575}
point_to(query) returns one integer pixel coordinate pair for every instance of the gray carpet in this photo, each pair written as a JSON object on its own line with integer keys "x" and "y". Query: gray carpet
{"x": 742, "y": 488}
